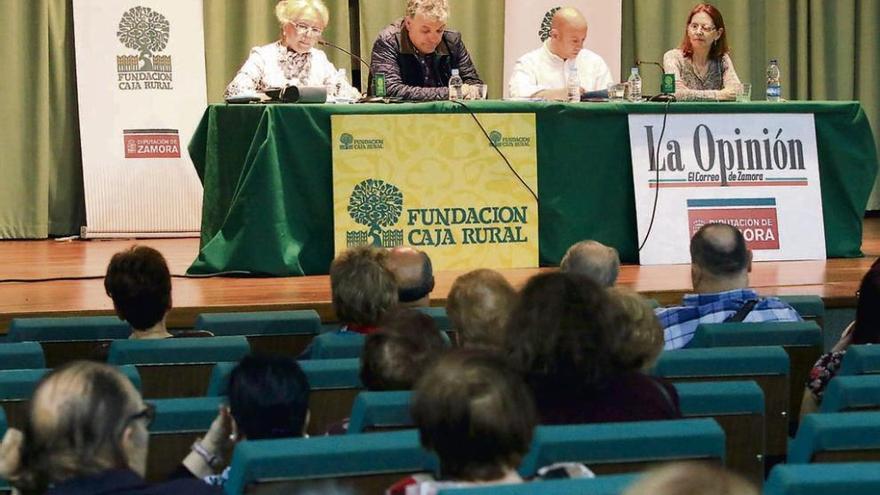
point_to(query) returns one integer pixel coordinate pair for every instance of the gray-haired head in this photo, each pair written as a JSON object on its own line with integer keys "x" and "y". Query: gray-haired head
{"x": 594, "y": 260}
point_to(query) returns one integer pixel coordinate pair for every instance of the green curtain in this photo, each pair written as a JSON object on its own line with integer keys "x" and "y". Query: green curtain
{"x": 827, "y": 50}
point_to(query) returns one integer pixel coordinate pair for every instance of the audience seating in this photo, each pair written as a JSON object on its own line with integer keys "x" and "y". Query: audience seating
{"x": 335, "y": 345}
{"x": 286, "y": 332}
{"x": 438, "y": 314}
{"x": 861, "y": 360}
{"x": 368, "y": 463}
{"x": 802, "y": 340}
{"x": 611, "y": 448}
{"x": 738, "y": 407}
{"x": 600, "y": 485}
{"x": 334, "y": 383}
{"x": 70, "y": 338}
{"x": 374, "y": 411}
{"x": 4, "y": 487}
{"x": 809, "y": 307}
{"x": 837, "y": 437}
{"x": 858, "y": 478}
{"x": 177, "y": 424}
{"x": 17, "y": 386}
{"x": 852, "y": 393}
{"x": 21, "y": 356}
{"x": 767, "y": 366}
{"x": 172, "y": 368}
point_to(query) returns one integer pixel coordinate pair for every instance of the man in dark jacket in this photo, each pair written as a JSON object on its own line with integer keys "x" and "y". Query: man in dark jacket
{"x": 416, "y": 54}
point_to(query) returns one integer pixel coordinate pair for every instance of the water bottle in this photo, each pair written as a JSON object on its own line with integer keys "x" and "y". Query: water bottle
{"x": 635, "y": 85}
{"x": 338, "y": 90}
{"x": 573, "y": 83}
{"x": 774, "y": 85}
{"x": 455, "y": 84}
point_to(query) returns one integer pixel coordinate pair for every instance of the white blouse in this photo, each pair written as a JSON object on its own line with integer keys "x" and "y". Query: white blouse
{"x": 275, "y": 66}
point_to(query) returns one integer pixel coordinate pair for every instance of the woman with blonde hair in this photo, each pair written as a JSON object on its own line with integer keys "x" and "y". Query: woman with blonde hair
{"x": 293, "y": 60}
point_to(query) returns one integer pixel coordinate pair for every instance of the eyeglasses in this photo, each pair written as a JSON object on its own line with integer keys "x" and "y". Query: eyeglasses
{"x": 304, "y": 29}
{"x": 148, "y": 414}
{"x": 694, "y": 27}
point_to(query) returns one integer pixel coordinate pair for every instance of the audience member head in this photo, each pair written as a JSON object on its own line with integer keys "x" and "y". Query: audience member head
{"x": 425, "y": 23}
{"x": 691, "y": 478}
{"x": 476, "y": 414}
{"x": 704, "y": 32}
{"x": 362, "y": 288}
{"x": 641, "y": 335}
{"x": 867, "y": 327}
{"x": 414, "y": 274}
{"x": 268, "y": 397}
{"x": 139, "y": 282}
{"x": 84, "y": 418}
{"x": 479, "y": 305}
{"x": 561, "y": 335}
{"x": 568, "y": 31}
{"x": 395, "y": 357}
{"x": 720, "y": 260}
{"x": 302, "y": 22}
{"x": 593, "y": 259}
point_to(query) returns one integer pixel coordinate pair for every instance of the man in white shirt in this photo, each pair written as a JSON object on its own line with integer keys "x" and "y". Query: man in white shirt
{"x": 542, "y": 73}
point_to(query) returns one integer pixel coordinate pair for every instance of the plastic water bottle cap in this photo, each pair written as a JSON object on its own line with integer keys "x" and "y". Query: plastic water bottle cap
{"x": 454, "y": 72}
{"x": 634, "y": 70}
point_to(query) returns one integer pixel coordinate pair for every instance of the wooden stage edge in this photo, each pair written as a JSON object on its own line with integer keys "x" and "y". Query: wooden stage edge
{"x": 57, "y": 278}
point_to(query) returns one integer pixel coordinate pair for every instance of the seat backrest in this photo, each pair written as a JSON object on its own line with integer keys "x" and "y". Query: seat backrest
{"x": 333, "y": 385}
{"x": 68, "y": 338}
{"x": 738, "y": 407}
{"x": 852, "y": 393}
{"x": 767, "y": 366}
{"x": 802, "y": 340}
{"x": 3, "y": 424}
{"x": 608, "y": 448}
{"x": 809, "y": 307}
{"x": 178, "y": 422}
{"x": 173, "y": 368}
{"x": 861, "y": 360}
{"x": 836, "y": 437}
{"x": 862, "y": 478}
{"x": 379, "y": 411}
{"x": 286, "y": 332}
{"x": 337, "y": 345}
{"x": 612, "y": 484}
{"x": 21, "y": 356}
{"x": 369, "y": 463}
{"x": 438, "y": 314}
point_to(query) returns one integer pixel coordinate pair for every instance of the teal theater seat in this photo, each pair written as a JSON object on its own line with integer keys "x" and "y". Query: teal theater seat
{"x": 69, "y": 338}
{"x": 600, "y": 485}
{"x": 21, "y": 356}
{"x": 380, "y": 410}
{"x": 836, "y": 437}
{"x": 336, "y": 345}
{"x": 809, "y": 307}
{"x": 767, "y": 366}
{"x": 851, "y": 393}
{"x": 738, "y": 406}
{"x": 608, "y": 448}
{"x": 178, "y": 422}
{"x": 861, "y": 360}
{"x": 367, "y": 463}
{"x": 172, "y": 368}
{"x": 438, "y": 314}
{"x": 802, "y": 340}
{"x": 285, "y": 332}
{"x": 334, "y": 383}
{"x": 857, "y": 478}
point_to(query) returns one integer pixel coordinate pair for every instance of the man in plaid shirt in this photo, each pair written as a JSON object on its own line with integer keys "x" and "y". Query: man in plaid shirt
{"x": 720, "y": 266}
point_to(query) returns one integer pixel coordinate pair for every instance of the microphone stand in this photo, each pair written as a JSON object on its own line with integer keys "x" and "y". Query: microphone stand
{"x": 663, "y": 96}
{"x": 324, "y": 42}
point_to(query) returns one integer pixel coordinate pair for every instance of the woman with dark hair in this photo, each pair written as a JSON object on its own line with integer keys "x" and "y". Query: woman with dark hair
{"x": 564, "y": 336}
{"x": 701, "y": 64}
{"x": 139, "y": 282}
{"x": 864, "y": 330}
{"x": 86, "y": 433}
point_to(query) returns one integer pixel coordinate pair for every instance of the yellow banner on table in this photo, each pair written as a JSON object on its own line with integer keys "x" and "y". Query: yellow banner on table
{"x": 436, "y": 183}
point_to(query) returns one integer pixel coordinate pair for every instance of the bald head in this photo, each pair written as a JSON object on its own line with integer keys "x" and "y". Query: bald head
{"x": 597, "y": 261}
{"x": 568, "y": 30}
{"x": 719, "y": 258}
{"x": 414, "y": 274}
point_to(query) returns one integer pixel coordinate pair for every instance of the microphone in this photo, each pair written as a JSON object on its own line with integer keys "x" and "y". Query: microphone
{"x": 667, "y": 82}
{"x": 323, "y": 42}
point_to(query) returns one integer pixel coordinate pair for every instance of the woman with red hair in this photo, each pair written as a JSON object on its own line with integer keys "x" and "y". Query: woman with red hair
{"x": 701, "y": 64}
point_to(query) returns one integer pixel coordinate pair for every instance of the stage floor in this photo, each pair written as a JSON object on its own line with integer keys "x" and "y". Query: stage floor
{"x": 62, "y": 278}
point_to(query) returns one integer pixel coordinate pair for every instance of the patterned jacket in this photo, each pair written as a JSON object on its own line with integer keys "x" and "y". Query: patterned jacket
{"x": 395, "y": 56}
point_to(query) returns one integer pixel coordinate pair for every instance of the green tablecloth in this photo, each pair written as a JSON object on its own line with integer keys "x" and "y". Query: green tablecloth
{"x": 266, "y": 171}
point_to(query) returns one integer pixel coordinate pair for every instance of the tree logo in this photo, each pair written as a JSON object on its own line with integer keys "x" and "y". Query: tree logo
{"x": 146, "y": 31}
{"x": 547, "y": 24}
{"x": 346, "y": 141}
{"x": 496, "y": 138}
{"x": 375, "y": 204}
